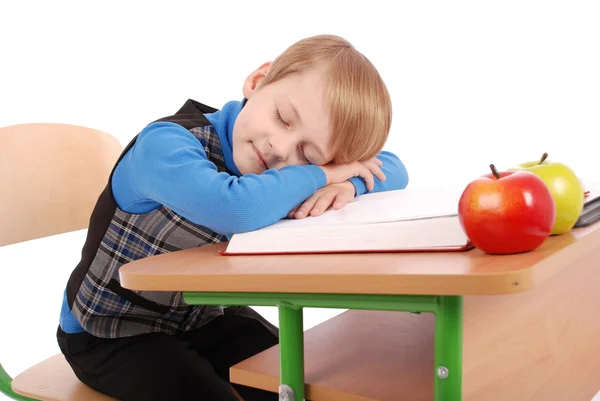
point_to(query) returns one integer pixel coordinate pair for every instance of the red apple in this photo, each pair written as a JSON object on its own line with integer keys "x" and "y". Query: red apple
{"x": 507, "y": 212}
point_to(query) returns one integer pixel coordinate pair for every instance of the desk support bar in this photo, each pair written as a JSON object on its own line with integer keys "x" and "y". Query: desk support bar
{"x": 401, "y": 303}
{"x": 291, "y": 349}
{"x": 448, "y": 311}
{"x": 448, "y": 348}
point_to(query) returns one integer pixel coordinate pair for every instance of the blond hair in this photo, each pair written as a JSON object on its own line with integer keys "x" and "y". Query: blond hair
{"x": 358, "y": 101}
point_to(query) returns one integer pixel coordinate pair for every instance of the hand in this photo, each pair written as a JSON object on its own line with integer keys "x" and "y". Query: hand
{"x": 338, "y": 173}
{"x": 336, "y": 195}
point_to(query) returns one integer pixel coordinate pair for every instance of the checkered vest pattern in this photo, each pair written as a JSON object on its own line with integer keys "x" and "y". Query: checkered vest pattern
{"x": 115, "y": 237}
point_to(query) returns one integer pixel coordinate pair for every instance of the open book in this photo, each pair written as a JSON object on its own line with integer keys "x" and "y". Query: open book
{"x": 408, "y": 220}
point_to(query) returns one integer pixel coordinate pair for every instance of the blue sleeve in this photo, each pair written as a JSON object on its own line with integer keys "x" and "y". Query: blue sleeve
{"x": 168, "y": 166}
{"x": 395, "y": 174}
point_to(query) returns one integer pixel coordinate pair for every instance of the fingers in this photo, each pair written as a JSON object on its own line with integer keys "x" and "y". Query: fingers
{"x": 323, "y": 203}
{"x": 337, "y": 173}
{"x": 375, "y": 160}
{"x": 320, "y": 203}
{"x": 307, "y": 206}
{"x": 373, "y": 166}
{"x": 293, "y": 212}
{"x": 366, "y": 174}
{"x": 341, "y": 200}
{"x": 335, "y": 195}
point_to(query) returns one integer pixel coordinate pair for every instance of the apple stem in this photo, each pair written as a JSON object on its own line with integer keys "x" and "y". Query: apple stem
{"x": 494, "y": 171}
{"x": 544, "y": 157}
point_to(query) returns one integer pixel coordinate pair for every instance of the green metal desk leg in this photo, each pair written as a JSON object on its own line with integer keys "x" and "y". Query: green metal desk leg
{"x": 448, "y": 348}
{"x": 291, "y": 346}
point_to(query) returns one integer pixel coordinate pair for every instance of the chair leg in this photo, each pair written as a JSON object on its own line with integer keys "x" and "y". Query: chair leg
{"x": 5, "y": 387}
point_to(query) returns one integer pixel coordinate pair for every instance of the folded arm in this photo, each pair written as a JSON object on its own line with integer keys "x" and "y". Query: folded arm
{"x": 167, "y": 166}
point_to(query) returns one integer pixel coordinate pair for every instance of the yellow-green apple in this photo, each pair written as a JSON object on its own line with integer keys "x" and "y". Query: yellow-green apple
{"x": 565, "y": 187}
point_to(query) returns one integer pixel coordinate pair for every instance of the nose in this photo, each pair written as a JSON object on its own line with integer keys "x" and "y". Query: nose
{"x": 282, "y": 147}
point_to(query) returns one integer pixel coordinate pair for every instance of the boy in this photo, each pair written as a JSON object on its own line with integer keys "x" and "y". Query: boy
{"x": 304, "y": 138}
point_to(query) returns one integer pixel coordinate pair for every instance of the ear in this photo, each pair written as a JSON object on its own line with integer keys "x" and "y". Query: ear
{"x": 253, "y": 81}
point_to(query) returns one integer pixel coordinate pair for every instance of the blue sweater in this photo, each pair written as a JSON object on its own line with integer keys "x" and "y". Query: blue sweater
{"x": 168, "y": 166}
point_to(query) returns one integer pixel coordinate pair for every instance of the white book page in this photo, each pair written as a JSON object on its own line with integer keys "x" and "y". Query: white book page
{"x": 411, "y": 234}
{"x": 381, "y": 207}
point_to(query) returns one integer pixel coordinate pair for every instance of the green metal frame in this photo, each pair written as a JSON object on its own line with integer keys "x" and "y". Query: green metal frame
{"x": 448, "y": 311}
{"x": 5, "y": 388}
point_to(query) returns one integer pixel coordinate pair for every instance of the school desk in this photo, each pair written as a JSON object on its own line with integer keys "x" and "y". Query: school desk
{"x": 514, "y": 327}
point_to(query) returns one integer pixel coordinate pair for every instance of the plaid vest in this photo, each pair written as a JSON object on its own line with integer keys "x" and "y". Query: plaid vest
{"x": 115, "y": 237}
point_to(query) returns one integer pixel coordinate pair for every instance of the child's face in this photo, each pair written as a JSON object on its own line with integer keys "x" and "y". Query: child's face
{"x": 284, "y": 123}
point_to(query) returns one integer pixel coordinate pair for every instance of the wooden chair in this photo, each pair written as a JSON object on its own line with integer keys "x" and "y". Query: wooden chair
{"x": 52, "y": 175}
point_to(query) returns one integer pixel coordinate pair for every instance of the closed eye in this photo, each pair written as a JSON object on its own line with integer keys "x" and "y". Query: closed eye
{"x": 278, "y": 115}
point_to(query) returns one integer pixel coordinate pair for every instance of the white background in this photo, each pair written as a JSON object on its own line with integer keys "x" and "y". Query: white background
{"x": 472, "y": 83}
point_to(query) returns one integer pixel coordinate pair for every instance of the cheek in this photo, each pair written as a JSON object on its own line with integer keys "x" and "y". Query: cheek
{"x": 247, "y": 129}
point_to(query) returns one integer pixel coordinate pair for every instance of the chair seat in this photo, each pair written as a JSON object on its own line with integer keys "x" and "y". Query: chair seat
{"x": 357, "y": 356}
{"x": 54, "y": 380}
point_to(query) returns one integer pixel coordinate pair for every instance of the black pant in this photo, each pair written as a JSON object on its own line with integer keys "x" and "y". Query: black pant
{"x": 161, "y": 367}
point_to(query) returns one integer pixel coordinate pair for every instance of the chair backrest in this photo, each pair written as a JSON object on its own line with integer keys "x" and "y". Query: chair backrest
{"x": 51, "y": 176}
